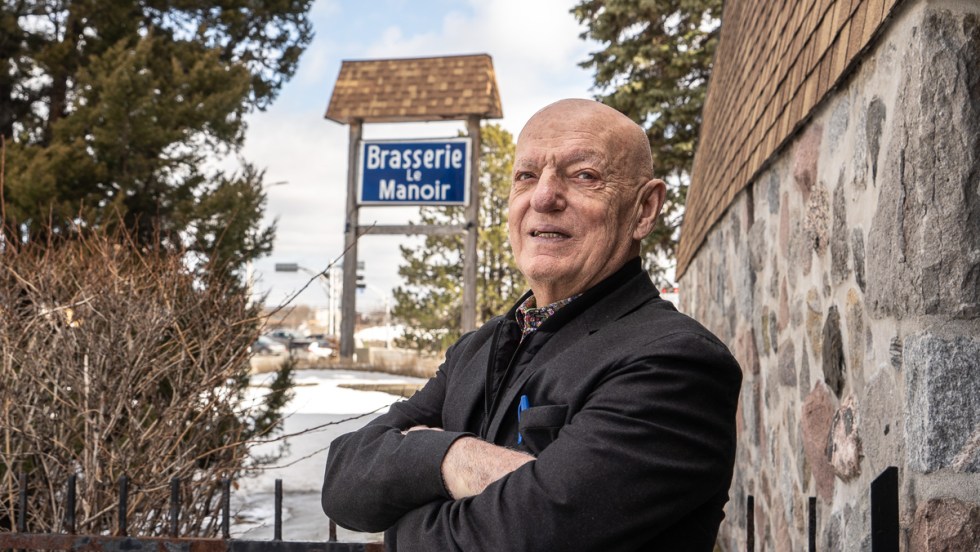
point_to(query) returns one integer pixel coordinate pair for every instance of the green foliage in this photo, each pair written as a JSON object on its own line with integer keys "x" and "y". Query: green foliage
{"x": 111, "y": 110}
{"x": 653, "y": 66}
{"x": 430, "y": 302}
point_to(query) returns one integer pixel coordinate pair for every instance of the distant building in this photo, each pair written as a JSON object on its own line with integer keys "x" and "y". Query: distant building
{"x": 832, "y": 238}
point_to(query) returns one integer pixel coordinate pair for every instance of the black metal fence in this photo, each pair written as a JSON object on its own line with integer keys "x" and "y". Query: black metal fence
{"x": 21, "y": 539}
{"x": 884, "y": 526}
{"x": 884, "y": 515}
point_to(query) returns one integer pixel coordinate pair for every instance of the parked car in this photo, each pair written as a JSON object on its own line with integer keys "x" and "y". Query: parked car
{"x": 319, "y": 349}
{"x": 267, "y": 346}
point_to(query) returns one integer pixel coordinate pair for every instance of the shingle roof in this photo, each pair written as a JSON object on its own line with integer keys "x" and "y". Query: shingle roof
{"x": 415, "y": 89}
{"x": 776, "y": 61}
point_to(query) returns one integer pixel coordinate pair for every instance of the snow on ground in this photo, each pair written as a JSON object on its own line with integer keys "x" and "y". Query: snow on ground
{"x": 319, "y": 412}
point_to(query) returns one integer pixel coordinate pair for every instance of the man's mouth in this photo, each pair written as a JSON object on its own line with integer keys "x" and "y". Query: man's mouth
{"x": 551, "y": 234}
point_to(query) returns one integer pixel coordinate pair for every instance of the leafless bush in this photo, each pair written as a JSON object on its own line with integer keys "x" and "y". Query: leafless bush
{"x": 116, "y": 361}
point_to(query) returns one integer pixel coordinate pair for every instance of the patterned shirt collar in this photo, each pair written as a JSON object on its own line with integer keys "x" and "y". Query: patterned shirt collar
{"x": 530, "y": 317}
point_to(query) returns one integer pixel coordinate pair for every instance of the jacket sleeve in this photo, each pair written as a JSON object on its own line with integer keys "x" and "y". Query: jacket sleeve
{"x": 376, "y": 475}
{"x": 653, "y": 443}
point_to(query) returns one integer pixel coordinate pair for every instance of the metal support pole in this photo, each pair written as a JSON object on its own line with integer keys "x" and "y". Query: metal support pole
{"x": 468, "y": 316}
{"x": 123, "y": 529}
{"x": 348, "y": 309}
{"x": 885, "y": 528}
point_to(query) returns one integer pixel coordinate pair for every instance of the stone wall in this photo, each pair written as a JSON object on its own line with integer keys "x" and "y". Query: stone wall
{"x": 846, "y": 280}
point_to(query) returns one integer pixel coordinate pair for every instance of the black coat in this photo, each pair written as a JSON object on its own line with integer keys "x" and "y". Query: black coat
{"x": 631, "y": 418}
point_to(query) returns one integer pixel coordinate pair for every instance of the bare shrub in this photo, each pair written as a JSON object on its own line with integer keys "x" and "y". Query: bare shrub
{"x": 118, "y": 361}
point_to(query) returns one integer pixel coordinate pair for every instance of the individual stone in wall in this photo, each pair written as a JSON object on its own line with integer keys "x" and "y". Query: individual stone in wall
{"x": 845, "y": 442}
{"x": 873, "y": 124}
{"x": 817, "y": 419}
{"x": 942, "y": 403}
{"x": 945, "y": 524}
{"x": 833, "y": 352}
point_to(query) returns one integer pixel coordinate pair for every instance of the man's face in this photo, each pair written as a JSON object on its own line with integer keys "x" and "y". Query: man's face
{"x": 573, "y": 202}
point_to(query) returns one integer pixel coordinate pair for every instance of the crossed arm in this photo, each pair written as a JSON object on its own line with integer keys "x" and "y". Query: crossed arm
{"x": 471, "y": 464}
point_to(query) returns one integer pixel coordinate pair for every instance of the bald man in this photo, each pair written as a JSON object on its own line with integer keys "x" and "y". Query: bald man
{"x": 591, "y": 416}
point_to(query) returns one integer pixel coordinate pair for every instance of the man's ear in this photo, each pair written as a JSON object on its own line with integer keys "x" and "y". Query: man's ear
{"x": 650, "y": 200}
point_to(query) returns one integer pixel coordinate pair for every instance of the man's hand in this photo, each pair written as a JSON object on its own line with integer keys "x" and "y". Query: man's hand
{"x": 471, "y": 464}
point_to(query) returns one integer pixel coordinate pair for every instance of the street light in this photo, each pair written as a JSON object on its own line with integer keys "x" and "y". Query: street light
{"x": 387, "y": 307}
{"x": 329, "y": 285}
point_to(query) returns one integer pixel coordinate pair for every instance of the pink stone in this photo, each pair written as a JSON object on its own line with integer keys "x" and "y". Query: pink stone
{"x": 784, "y": 226}
{"x": 817, "y": 417}
{"x": 745, "y": 351}
{"x": 845, "y": 455}
{"x": 806, "y": 156}
{"x": 946, "y": 525}
{"x": 783, "y": 319}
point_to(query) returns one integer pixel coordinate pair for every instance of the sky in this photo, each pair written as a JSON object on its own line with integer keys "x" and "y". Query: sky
{"x": 535, "y": 47}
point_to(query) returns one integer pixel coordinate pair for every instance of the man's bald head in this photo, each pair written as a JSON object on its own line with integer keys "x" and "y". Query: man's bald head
{"x": 623, "y": 136}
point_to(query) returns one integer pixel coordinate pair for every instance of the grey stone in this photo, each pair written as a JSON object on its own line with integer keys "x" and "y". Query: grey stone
{"x": 942, "y": 402}
{"x": 895, "y": 353}
{"x": 774, "y": 278}
{"x": 773, "y": 332}
{"x": 881, "y": 420}
{"x": 923, "y": 250}
{"x": 839, "y": 251}
{"x": 766, "y": 340}
{"x": 873, "y": 124}
{"x": 833, "y": 352}
{"x": 736, "y": 226}
{"x": 857, "y": 247}
{"x": 787, "y": 364}
{"x": 796, "y": 314}
{"x": 817, "y": 219}
{"x": 760, "y": 434}
{"x": 744, "y": 291}
{"x": 772, "y": 193}
{"x": 839, "y": 121}
{"x": 834, "y": 539}
{"x": 758, "y": 246}
{"x": 804, "y": 382}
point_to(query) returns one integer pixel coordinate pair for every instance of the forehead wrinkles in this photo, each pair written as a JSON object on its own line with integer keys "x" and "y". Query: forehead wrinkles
{"x": 534, "y": 157}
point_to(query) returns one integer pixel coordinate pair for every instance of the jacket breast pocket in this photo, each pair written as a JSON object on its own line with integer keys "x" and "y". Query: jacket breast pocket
{"x": 539, "y": 425}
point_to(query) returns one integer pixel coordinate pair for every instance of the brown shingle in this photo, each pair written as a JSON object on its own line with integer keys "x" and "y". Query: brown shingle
{"x": 776, "y": 61}
{"x": 415, "y": 89}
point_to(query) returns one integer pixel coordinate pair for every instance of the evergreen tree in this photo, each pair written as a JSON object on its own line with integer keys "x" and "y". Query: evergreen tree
{"x": 110, "y": 110}
{"x": 430, "y": 301}
{"x": 653, "y": 66}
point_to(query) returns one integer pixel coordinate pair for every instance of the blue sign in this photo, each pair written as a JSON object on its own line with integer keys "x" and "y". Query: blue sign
{"x": 414, "y": 172}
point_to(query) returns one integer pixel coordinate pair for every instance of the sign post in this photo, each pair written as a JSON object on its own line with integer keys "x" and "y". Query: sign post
{"x": 348, "y": 309}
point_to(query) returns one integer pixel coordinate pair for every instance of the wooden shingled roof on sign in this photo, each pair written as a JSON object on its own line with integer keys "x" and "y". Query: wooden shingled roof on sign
{"x": 776, "y": 60}
{"x": 415, "y": 89}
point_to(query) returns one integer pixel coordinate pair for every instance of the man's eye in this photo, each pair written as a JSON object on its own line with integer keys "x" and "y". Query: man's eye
{"x": 523, "y": 176}
{"x": 585, "y": 175}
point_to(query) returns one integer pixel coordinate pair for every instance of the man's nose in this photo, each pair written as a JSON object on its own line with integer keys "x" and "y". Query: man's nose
{"x": 549, "y": 194}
